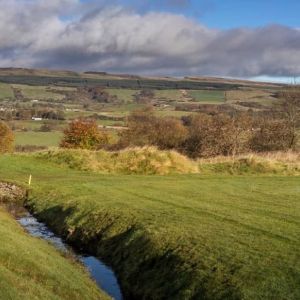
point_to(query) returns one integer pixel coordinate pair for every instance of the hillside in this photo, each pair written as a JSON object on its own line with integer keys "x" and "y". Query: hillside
{"x": 57, "y": 97}
{"x": 18, "y": 75}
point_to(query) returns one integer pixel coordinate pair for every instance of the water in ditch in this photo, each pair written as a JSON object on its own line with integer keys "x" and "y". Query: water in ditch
{"x": 102, "y": 274}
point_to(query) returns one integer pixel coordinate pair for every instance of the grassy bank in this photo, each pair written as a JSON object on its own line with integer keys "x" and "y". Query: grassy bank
{"x": 145, "y": 161}
{"x": 176, "y": 236}
{"x": 32, "y": 269}
{"x": 150, "y": 161}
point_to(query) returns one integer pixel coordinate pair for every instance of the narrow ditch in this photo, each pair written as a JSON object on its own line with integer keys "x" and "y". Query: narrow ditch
{"x": 103, "y": 275}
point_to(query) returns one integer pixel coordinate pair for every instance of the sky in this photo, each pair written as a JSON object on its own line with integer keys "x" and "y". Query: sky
{"x": 257, "y": 39}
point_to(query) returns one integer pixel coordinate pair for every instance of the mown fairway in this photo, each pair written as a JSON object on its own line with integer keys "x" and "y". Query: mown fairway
{"x": 32, "y": 269}
{"x": 184, "y": 236}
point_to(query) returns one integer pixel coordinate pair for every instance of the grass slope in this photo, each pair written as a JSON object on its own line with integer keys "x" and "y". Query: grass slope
{"x": 179, "y": 236}
{"x": 38, "y": 92}
{"x": 32, "y": 269}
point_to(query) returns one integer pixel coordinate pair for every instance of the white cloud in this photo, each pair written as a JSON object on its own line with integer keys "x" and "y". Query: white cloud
{"x": 43, "y": 34}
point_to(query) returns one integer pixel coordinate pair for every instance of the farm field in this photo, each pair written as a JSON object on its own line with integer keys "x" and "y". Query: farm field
{"x": 224, "y": 237}
{"x": 36, "y": 270}
{"x": 169, "y": 95}
{"x": 264, "y": 97}
{"x": 126, "y": 95}
{"x": 38, "y": 92}
{"x": 6, "y": 91}
{"x": 33, "y": 138}
{"x": 207, "y": 96}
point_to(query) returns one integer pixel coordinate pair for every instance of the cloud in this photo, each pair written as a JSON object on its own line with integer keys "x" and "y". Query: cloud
{"x": 68, "y": 34}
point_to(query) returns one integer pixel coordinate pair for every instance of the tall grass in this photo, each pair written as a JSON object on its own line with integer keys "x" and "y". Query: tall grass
{"x": 284, "y": 163}
{"x": 151, "y": 161}
{"x": 146, "y": 160}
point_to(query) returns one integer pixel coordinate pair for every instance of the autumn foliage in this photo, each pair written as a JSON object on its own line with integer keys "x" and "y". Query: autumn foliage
{"x": 6, "y": 138}
{"x": 82, "y": 134}
{"x": 144, "y": 128}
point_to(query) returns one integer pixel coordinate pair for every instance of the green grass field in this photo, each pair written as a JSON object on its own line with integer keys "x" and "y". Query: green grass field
{"x": 32, "y": 125}
{"x": 38, "y": 92}
{"x": 32, "y": 269}
{"x": 126, "y": 95}
{"x": 6, "y": 91}
{"x": 169, "y": 95}
{"x": 207, "y": 96}
{"x": 179, "y": 236}
{"x": 48, "y": 139}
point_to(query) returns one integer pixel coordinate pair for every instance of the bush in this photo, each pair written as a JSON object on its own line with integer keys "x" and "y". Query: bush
{"x": 144, "y": 128}
{"x": 272, "y": 135}
{"x": 84, "y": 135}
{"x": 6, "y": 138}
{"x": 216, "y": 135}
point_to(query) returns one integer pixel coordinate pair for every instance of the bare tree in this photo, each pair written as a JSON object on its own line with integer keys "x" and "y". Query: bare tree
{"x": 289, "y": 108}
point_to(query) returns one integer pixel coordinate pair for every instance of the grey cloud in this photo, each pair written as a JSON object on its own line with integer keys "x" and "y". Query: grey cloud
{"x": 111, "y": 38}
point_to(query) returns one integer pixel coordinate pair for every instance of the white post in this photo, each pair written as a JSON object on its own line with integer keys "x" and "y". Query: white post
{"x": 29, "y": 180}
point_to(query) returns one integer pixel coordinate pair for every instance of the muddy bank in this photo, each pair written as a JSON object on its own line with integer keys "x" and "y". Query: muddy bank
{"x": 12, "y": 197}
{"x": 10, "y": 192}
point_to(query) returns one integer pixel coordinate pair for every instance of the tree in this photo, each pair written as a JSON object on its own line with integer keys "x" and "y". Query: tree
{"x": 170, "y": 133}
{"x": 6, "y": 138}
{"x": 289, "y": 109}
{"x": 144, "y": 96}
{"x": 144, "y": 128}
{"x": 216, "y": 135}
{"x": 272, "y": 134}
{"x": 84, "y": 134}
{"x": 140, "y": 128}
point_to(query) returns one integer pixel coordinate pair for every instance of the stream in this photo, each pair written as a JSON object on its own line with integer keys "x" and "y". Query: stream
{"x": 102, "y": 274}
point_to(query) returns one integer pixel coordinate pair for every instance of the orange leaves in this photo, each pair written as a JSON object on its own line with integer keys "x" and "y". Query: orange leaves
{"x": 6, "y": 138}
{"x": 84, "y": 134}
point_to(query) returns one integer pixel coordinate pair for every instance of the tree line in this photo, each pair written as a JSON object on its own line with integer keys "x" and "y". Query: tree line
{"x": 195, "y": 135}
{"x": 200, "y": 135}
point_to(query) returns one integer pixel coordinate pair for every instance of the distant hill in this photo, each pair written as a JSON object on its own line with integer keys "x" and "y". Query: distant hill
{"x": 72, "y": 78}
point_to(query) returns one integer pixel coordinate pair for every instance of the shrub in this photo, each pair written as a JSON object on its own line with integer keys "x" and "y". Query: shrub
{"x": 84, "y": 134}
{"x": 272, "y": 135}
{"x": 144, "y": 128}
{"x": 216, "y": 135}
{"x": 6, "y": 138}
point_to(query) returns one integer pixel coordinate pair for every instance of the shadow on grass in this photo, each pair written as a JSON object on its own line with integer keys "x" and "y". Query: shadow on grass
{"x": 146, "y": 268}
